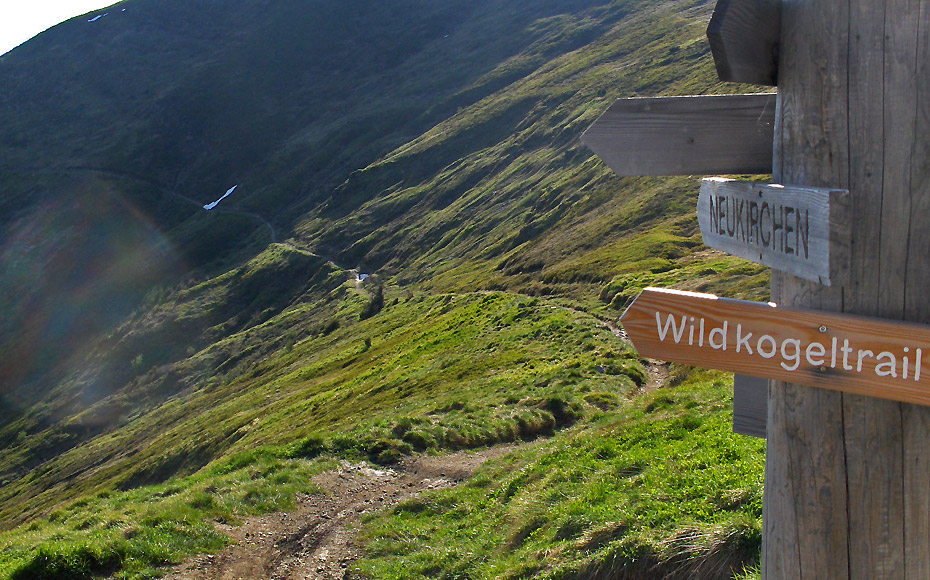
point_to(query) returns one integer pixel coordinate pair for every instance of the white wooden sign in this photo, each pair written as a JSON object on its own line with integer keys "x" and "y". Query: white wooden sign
{"x": 800, "y": 230}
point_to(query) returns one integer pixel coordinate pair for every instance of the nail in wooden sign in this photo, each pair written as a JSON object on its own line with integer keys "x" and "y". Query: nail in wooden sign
{"x": 800, "y": 230}
{"x": 860, "y": 355}
{"x": 702, "y": 135}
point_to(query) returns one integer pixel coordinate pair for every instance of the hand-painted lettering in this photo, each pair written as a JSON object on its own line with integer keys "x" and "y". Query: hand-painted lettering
{"x": 780, "y": 228}
{"x": 790, "y": 352}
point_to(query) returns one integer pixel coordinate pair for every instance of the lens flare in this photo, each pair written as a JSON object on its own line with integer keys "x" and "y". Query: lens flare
{"x": 71, "y": 271}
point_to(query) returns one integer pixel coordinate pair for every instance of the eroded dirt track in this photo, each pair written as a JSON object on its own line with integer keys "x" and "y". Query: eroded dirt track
{"x": 317, "y": 541}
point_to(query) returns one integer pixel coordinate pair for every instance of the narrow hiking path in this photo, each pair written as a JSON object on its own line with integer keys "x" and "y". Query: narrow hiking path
{"x": 229, "y": 208}
{"x": 317, "y": 540}
{"x": 657, "y": 371}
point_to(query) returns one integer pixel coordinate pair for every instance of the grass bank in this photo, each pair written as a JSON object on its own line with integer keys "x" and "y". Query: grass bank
{"x": 659, "y": 489}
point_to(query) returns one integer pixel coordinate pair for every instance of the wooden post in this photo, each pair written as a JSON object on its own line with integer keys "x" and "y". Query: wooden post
{"x": 847, "y": 482}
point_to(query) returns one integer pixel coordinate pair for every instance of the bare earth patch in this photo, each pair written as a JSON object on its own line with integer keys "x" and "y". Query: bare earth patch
{"x": 317, "y": 541}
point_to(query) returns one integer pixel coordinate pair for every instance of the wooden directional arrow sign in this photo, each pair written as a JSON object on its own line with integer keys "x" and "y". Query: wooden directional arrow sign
{"x": 744, "y": 37}
{"x": 705, "y": 135}
{"x": 800, "y": 230}
{"x": 865, "y": 356}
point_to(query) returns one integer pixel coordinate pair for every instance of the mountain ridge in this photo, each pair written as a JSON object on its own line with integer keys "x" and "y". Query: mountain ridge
{"x": 432, "y": 147}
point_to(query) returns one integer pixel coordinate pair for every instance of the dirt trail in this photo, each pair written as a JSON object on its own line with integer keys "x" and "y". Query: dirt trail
{"x": 316, "y": 541}
{"x": 657, "y": 371}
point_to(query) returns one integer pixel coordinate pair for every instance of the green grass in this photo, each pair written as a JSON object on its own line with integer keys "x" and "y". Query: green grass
{"x": 500, "y": 242}
{"x": 445, "y": 372}
{"x": 432, "y": 373}
{"x": 659, "y": 484}
{"x": 662, "y": 486}
{"x": 133, "y": 534}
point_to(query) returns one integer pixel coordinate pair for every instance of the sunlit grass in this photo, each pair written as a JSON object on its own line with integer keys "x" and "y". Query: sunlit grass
{"x": 500, "y": 244}
{"x": 661, "y": 485}
{"x": 134, "y": 533}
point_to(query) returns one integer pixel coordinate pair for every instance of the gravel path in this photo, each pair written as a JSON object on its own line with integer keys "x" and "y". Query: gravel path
{"x": 317, "y": 541}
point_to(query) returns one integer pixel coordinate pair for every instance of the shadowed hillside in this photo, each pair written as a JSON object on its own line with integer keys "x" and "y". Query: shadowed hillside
{"x": 419, "y": 254}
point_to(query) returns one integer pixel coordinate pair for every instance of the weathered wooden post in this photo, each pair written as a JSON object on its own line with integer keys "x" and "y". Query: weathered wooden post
{"x": 847, "y": 483}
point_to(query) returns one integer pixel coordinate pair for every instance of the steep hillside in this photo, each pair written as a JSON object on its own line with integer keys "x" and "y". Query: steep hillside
{"x": 168, "y": 104}
{"x": 419, "y": 253}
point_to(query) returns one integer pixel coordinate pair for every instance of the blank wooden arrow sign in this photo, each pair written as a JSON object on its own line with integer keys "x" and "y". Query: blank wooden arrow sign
{"x": 750, "y": 405}
{"x": 855, "y": 354}
{"x": 744, "y": 37}
{"x": 701, "y": 135}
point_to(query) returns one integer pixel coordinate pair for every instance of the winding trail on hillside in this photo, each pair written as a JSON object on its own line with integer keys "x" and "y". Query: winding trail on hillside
{"x": 230, "y": 209}
{"x": 318, "y": 539}
{"x": 657, "y": 371}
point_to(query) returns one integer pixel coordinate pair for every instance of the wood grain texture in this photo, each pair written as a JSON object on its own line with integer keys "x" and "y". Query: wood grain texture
{"x": 853, "y": 82}
{"x": 855, "y": 354}
{"x": 780, "y": 543}
{"x": 916, "y": 420}
{"x": 705, "y": 135}
{"x": 800, "y": 230}
{"x": 743, "y": 37}
{"x": 900, "y": 105}
{"x": 916, "y": 425}
{"x": 750, "y": 405}
{"x": 872, "y": 433}
{"x": 806, "y": 525}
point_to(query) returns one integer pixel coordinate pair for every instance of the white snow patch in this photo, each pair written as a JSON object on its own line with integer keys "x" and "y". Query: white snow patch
{"x": 210, "y": 206}
{"x": 96, "y": 18}
{"x": 363, "y": 277}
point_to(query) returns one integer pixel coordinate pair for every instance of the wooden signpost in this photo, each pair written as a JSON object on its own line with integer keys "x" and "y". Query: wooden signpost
{"x": 801, "y": 230}
{"x": 686, "y": 135}
{"x": 855, "y": 354}
{"x": 847, "y": 481}
{"x": 744, "y": 39}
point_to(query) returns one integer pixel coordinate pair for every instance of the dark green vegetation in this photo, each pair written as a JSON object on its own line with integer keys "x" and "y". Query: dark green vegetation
{"x": 152, "y": 352}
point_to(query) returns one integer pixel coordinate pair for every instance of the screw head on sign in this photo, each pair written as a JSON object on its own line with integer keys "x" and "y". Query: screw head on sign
{"x": 822, "y": 329}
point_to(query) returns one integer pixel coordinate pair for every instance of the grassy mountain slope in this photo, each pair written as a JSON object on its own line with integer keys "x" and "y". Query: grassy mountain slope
{"x": 168, "y": 104}
{"x": 659, "y": 489}
{"x": 434, "y": 146}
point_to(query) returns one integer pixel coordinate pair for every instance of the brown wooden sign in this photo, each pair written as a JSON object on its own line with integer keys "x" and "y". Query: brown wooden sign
{"x": 744, "y": 37}
{"x": 855, "y": 354}
{"x": 703, "y": 135}
{"x": 800, "y": 230}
